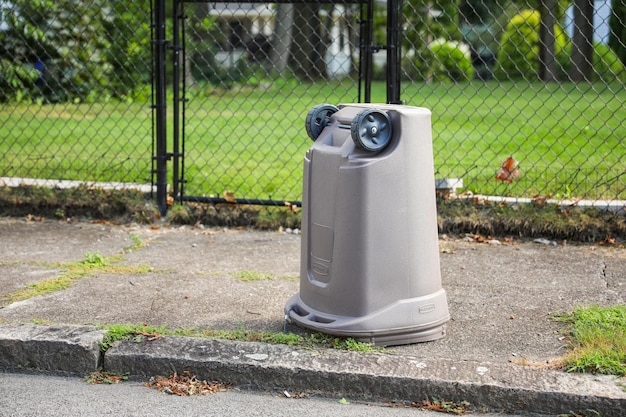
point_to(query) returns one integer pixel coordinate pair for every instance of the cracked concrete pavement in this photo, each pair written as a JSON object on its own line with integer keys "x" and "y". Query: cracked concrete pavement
{"x": 501, "y": 297}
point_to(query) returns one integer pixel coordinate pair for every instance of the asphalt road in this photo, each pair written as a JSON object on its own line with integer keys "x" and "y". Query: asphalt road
{"x": 24, "y": 395}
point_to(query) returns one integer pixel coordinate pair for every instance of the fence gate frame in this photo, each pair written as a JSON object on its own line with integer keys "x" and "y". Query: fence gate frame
{"x": 161, "y": 45}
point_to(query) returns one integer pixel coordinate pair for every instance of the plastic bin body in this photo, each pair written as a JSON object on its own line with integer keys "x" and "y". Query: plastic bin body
{"x": 370, "y": 254}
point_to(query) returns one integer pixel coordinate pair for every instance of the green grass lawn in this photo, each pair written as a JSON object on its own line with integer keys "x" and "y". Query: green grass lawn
{"x": 91, "y": 142}
{"x": 570, "y": 139}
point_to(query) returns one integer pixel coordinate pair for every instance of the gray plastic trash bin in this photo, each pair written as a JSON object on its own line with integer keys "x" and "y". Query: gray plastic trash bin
{"x": 370, "y": 253}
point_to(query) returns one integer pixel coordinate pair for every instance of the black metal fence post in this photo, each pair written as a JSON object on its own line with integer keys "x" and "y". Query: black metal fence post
{"x": 177, "y": 126}
{"x": 160, "y": 106}
{"x": 366, "y": 35}
{"x": 394, "y": 50}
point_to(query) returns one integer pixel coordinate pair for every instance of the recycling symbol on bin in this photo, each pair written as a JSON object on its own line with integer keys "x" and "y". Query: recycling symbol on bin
{"x": 370, "y": 129}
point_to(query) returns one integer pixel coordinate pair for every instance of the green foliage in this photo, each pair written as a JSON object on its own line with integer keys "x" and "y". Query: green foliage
{"x": 94, "y": 260}
{"x": 74, "y": 51}
{"x": 222, "y": 74}
{"x": 137, "y": 243}
{"x": 451, "y": 61}
{"x": 518, "y": 56}
{"x": 207, "y": 41}
{"x": 118, "y": 332}
{"x": 306, "y": 340}
{"x": 138, "y": 333}
{"x": 380, "y": 26}
{"x": 422, "y": 28}
{"x": 351, "y": 344}
{"x": 598, "y": 340}
{"x": 446, "y": 25}
{"x": 72, "y": 272}
{"x": 64, "y": 38}
{"x": 606, "y": 65}
{"x": 204, "y": 44}
{"x": 15, "y": 79}
{"x": 128, "y": 33}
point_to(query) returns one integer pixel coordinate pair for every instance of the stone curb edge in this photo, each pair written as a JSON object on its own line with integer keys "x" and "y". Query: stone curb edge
{"x": 63, "y": 348}
{"x": 354, "y": 375}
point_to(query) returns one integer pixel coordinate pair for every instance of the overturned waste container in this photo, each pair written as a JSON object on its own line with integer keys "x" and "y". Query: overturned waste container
{"x": 370, "y": 255}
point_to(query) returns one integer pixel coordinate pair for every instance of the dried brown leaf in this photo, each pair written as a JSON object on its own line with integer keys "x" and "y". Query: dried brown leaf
{"x": 185, "y": 384}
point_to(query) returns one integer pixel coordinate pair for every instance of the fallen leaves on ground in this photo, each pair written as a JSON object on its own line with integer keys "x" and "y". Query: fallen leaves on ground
{"x": 609, "y": 241}
{"x": 101, "y": 377}
{"x": 150, "y": 337}
{"x": 31, "y": 218}
{"x": 185, "y": 384}
{"x": 477, "y": 238}
{"x": 488, "y": 239}
{"x": 444, "y": 406}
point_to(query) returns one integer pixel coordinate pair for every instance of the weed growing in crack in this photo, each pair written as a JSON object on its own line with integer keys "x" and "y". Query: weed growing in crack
{"x": 597, "y": 340}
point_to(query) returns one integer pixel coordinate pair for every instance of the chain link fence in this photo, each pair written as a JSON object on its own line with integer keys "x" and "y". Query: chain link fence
{"x": 528, "y": 99}
{"x": 75, "y": 92}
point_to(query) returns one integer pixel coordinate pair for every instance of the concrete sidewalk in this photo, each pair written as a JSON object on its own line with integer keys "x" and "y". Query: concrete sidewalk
{"x": 497, "y": 352}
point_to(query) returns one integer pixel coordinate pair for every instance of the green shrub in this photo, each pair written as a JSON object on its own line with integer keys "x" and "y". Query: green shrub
{"x": 451, "y": 61}
{"x": 16, "y": 79}
{"x": 518, "y": 56}
{"x": 415, "y": 65}
{"x": 128, "y": 32}
{"x": 606, "y": 65}
{"x": 65, "y": 38}
{"x": 74, "y": 51}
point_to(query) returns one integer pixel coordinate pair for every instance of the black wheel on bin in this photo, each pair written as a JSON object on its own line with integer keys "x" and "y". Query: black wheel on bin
{"x": 318, "y": 118}
{"x": 371, "y": 130}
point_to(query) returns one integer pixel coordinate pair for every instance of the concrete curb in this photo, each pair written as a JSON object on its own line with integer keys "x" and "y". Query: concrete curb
{"x": 354, "y": 375}
{"x": 74, "y": 349}
{"x": 370, "y": 376}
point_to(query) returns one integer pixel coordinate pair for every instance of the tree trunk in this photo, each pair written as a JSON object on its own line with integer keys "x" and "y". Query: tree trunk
{"x": 308, "y": 48}
{"x": 283, "y": 37}
{"x": 547, "y": 41}
{"x": 617, "y": 24}
{"x": 582, "y": 45}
